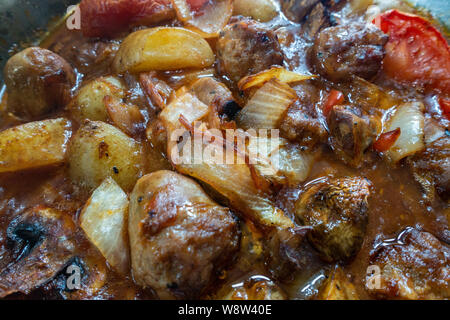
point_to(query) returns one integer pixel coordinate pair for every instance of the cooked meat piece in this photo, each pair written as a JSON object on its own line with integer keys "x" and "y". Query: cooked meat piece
{"x": 338, "y": 286}
{"x": 180, "y": 239}
{"x": 413, "y": 266}
{"x": 246, "y": 47}
{"x": 351, "y": 133}
{"x": 302, "y": 124}
{"x": 345, "y": 50}
{"x": 336, "y": 209}
{"x": 431, "y": 168}
{"x": 296, "y": 10}
{"x": 317, "y": 20}
{"x": 37, "y": 81}
{"x": 42, "y": 242}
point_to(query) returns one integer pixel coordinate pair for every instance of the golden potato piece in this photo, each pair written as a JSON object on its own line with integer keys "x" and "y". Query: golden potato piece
{"x": 33, "y": 145}
{"x": 261, "y": 10}
{"x": 88, "y": 103}
{"x": 163, "y": 49}
{"x": 99, "y": 150}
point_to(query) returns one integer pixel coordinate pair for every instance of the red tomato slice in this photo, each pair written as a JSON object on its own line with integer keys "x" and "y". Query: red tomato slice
{"x": 104, "y": 18}
{"x": 386, "y": 140}
{"x": 445, "y": 107}
{"x": 416, "y": 52}
{"x": 335, "y": 97}
{"x": 196, "y": 5}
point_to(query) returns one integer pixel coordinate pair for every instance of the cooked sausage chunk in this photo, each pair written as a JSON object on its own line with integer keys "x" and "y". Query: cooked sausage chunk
{"x": 336, "y": 209}
{"x": 345, "y": 50}
{"x": 180, "y": 239}
{"x": 246, "y": 47}
{"x": 414, "y": 266}
{"x": 351, "y": 133}
{"x": 37, "y": 81}
{"x": 431, "y": 167}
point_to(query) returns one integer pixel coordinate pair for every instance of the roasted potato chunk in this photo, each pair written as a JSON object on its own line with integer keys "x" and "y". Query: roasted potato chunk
{"x": 33, "y": 145}
{"x": 88, "y": 103}
{"x": 37, "y": 81}
{"x": 336, "y": 209}
{"x": 99, "y": 150}
{"x": 180, "y": 239}
{"x": 163, "y": 49}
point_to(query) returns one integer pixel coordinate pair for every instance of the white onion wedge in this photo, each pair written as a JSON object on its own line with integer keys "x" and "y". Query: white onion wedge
{"x": 279, "y": 73}
{"x": 208, "y": 20}
{"x": 104, "y": 221}
{"x": 279, "y": 161}
{"x": 267, "y": 106}
{"x": 410, "y": 119}
{"x": 186, "y": 105}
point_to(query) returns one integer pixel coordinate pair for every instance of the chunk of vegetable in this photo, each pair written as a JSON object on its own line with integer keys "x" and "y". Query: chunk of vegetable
{"x": 88, "y": 103}
{"x": 386, "y": 140}
{"x": 334, "y": 98}
{"x": 206, "y": 17}
{"x": 409, "y": 118}
{"x": 261, "y": 10}
{"x": 99, "y": 150}
{"x": 416, "y": 52}
{"x": 34, "y": 145}
{"x": 162, "y": 48}
{"x": 267, "y": 106}
{"x": 278, "y": 73}
{"x": 104, "y": 219}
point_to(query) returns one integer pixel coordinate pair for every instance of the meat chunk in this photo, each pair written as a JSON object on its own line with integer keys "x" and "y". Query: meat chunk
{"x": 351, "y": 132}
{"x": 246, "y": 47}
{"x": 296, "y": 10}
{"x": 345, "y": 50}
{"x": 180, "y": 239}
{"x": 431, "y": 168}
{"x": 42, "y": 242}
{"x": 37, "y": 81}
{"x": 413, "y": 266}
{"x": 303, "y": 125}
{"x": 336, "y": 209}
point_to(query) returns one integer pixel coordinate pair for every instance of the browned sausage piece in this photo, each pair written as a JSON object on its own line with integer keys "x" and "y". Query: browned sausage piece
{"x": 180, "y": 239}
{"x": 246, "y": 47}
{"x": 37, "y": 81}
{"x": 345, "y": 50}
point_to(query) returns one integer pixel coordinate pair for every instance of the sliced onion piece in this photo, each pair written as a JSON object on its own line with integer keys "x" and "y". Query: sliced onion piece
{"x": 410, "y": 119}
{"x": 234, "y": 181}
{"x": 279, "y": 73}
{"x": 208, "y": 20}
{"x": 104, "y": 221}
{"x": 186, "y": 105}
{"x": 279, "y": 161}
{"x": 267, "y": 106}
